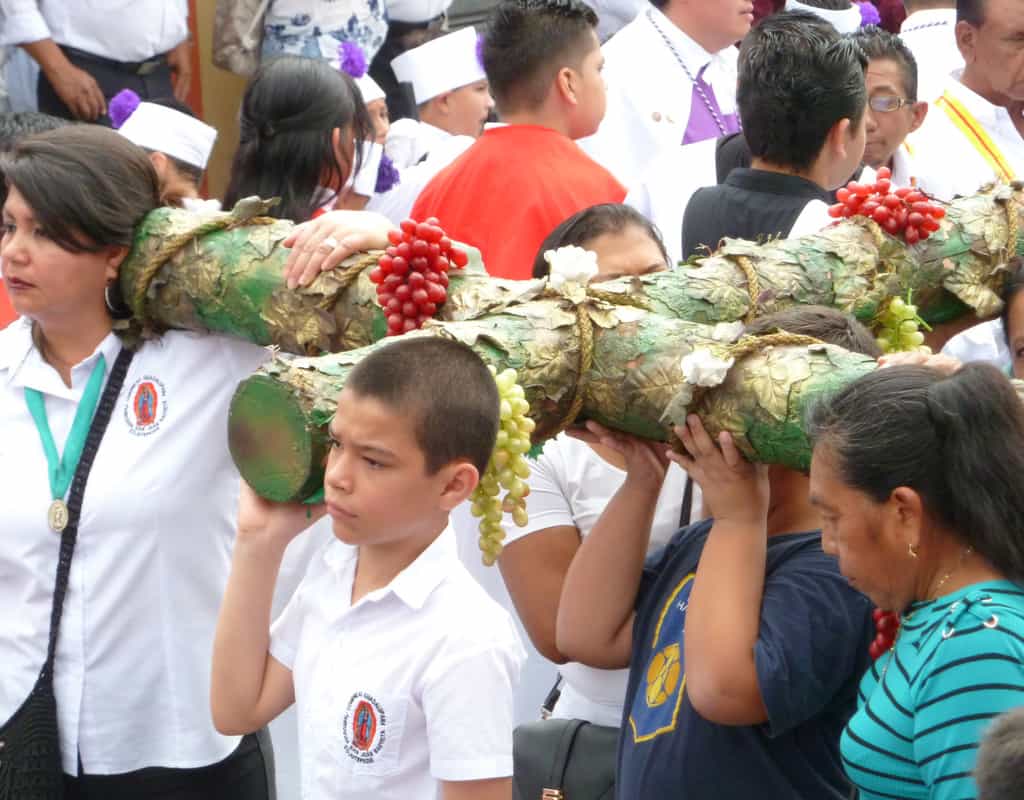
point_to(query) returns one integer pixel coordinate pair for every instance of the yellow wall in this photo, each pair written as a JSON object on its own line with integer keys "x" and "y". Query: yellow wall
{"x": 222, "y": 96}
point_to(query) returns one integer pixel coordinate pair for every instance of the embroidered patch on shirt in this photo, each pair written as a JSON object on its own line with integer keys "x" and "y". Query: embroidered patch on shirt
{"x": 364, "y": 728}
{"x": 147, "y": 406}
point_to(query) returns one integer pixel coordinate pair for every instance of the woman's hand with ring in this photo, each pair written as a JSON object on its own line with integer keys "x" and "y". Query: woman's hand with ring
{"x": 323, "y": 243}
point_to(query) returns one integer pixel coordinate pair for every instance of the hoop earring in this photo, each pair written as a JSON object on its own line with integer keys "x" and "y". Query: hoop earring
{"x": 116, "y": 306}
{"x": 912, "y": 550}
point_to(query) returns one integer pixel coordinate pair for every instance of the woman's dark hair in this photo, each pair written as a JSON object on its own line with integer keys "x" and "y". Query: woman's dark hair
{"x": 1014, "y": 286}
{"x": 828, "y": 324}
{"x": 289, "y": 111}
{"x": 87, "y": 185}
{"x": 588, "y": 224}
{"x": 957, "y": 440}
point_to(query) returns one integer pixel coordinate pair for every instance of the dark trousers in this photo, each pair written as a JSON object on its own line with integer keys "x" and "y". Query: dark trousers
{"x": 246, "y": 774}
{"x": 112, "y": 77}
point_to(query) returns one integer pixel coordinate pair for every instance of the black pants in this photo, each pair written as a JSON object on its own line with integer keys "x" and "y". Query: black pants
{"x": 112, "y": 77}
{"x": 246, "y": 774}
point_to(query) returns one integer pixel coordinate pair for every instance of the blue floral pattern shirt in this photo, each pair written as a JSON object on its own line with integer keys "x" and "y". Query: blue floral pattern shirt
{"x": 314, "y": 28}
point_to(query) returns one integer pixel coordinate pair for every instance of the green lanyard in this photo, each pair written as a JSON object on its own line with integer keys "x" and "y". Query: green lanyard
{"x": 62, "y": 468}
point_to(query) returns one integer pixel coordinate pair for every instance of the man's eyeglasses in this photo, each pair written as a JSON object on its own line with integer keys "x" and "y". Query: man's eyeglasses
{"x": 885, "y": 103}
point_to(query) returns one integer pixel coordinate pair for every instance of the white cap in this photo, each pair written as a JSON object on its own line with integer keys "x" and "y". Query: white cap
{"x": 369, "y": 89}
{"x": 845, "y": 20}
{"x": 441, "y": 65}
{"x": 416, "y": 10}
{"x": 170, "y": 132}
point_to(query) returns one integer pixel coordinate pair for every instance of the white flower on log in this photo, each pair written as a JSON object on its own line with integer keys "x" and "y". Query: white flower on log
{"x": 571, "y": 264}
{"x": 704, "y": 368}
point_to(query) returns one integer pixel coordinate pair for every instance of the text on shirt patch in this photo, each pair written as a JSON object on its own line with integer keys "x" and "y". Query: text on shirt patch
{"x": 364, "y": 728}
{"x": 655, "y": 704}
{"x": 147, "y": 406}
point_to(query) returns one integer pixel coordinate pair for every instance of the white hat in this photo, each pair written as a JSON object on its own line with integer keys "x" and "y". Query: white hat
{"x": 416, "y": 10}
{"x": 351, "y": 59}
{"x": 441, "y": 65}
{"x": 845, "y": 20}
{"x": 170, "y": 132}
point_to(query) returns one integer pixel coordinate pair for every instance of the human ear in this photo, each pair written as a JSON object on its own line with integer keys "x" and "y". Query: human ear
{"x": 113, "y": 257}
{"x": 966, "y": 40}
{"x": 459, "y": 479}
{"x": 906, "y": 516}
{"x": 565, "y": 81}
{"x": 160, "y": 164}
{"x": 838, "y": 140}
{"x": 918, "y": 111}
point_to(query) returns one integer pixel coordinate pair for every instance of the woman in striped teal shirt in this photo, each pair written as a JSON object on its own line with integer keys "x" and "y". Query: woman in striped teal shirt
{"x": 919, "y": 477}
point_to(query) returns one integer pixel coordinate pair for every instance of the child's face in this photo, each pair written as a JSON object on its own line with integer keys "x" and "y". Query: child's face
{"x": 376, "y": 484}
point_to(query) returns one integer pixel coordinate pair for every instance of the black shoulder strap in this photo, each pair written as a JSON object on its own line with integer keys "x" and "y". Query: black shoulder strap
{"x": 686, "y": 510}
{"x": 70, "y": 534}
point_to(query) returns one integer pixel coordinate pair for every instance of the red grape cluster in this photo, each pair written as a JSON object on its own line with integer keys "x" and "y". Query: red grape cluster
{"x": 412, "y": 275}
{"x": 905, "y": 210}
{"x": 887, "y": 625}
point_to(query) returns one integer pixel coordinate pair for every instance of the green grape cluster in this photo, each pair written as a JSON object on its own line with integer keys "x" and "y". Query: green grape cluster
{"x": 900, "y": 327}
{"x": 507, "y": 470}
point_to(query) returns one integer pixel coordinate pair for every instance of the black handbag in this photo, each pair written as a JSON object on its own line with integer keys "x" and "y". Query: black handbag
{"x": 563, "y": 759}
{"x": 30, "y": 761}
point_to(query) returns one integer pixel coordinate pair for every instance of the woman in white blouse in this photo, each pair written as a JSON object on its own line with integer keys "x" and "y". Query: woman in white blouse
{"x": 571, "y": 483}
{"x": 132, "y": 665}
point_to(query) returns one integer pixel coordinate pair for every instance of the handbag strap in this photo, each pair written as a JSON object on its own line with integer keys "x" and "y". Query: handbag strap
{"x": 70, "y": 534}
{"x": 562, "y": 751}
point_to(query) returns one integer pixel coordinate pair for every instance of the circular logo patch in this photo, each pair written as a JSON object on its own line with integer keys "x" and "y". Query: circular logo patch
{"x": 147, "y": 406}
{"x": 364, "y": 728}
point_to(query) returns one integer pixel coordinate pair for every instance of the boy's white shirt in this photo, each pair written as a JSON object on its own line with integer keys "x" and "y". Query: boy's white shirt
{"x": 410, "y": 686}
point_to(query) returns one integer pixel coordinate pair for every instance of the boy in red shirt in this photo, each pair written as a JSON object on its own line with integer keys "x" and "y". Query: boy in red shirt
{"x": 508, "y": 191}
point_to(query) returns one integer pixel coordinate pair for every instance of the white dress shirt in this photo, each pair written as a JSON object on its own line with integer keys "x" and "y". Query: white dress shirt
{"x": 947, "y": 162}
{"x": 132, "y": 671}
{"x": 931, "y": 37}
{"x": 123, "y": 30}
{"x": 420, "y": 151}
{"x": 983, "y": 342}
{"x": 666, "y": 186}
{"x": 649, "y": 93}
{"x": 410, "y": 686}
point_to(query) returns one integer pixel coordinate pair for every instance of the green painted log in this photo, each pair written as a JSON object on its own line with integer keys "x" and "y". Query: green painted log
{"x": 229, "y": 280}
{"x": 635, "y": 383}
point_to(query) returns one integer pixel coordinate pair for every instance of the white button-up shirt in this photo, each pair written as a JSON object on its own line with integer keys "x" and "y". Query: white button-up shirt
{"x": 410, "y": 686}
{"x": 930, "y": 35}
{"x": 947, "y": 162}
{"x": 123, "y": 30}
{"x": 649, "y": 93}
{"x": 420, "y": 151}
{"x": 132, "y": 667}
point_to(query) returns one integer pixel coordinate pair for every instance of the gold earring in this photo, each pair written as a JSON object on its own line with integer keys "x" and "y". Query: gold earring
{"x": 912, "y": 550}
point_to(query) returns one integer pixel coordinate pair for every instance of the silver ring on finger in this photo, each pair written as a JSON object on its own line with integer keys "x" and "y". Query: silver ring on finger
{"x": 328, "y": 244}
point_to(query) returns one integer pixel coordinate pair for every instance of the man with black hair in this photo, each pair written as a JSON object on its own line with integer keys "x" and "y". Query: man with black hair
{"x": 671, "y": 80}
{"x": 518, "y": 181}
{"x": 894, "y": 111}
{"x": 928, "y": 31}
{"x": 975, "y": 134}
{"x": 801, "y": 96}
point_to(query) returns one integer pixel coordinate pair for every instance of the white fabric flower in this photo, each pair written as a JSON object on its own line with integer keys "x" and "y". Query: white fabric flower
{"x": 571, "y": 264}
{"x": 703, "y": 368}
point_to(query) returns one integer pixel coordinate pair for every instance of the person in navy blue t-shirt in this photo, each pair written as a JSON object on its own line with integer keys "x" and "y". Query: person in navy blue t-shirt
{"x": 752, "y": 700}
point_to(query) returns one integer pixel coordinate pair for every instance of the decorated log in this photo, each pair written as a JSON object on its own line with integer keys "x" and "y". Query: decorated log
{"x": 223, "y": 272}
{"x": 575, "y": 358}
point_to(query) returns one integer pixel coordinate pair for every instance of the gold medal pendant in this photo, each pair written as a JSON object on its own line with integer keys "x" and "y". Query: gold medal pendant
{"x": 57, "y": 516}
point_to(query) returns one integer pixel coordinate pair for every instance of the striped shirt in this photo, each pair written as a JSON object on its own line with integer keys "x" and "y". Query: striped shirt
{"x": 923, "y": 709}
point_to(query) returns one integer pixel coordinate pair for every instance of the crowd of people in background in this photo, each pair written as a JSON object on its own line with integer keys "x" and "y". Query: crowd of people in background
{"x": 713, "y": 615}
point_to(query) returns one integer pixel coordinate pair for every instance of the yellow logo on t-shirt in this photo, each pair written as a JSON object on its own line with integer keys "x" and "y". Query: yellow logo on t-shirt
{"x": 654, "y": 707}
